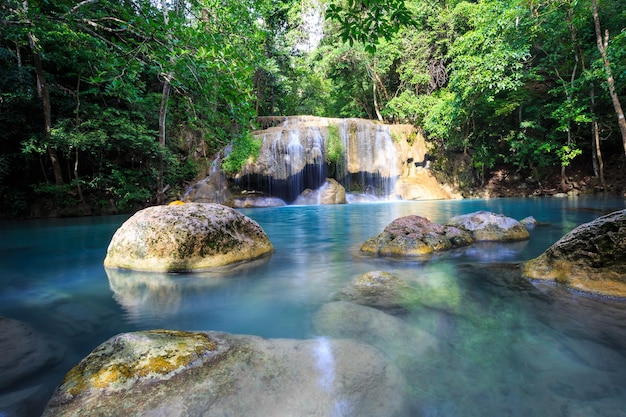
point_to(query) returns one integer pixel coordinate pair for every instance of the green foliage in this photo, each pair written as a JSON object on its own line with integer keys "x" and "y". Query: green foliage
{"x": 368, "y": 21}
{"x": 334, "y": 146}
{"x": 244, "y": 148}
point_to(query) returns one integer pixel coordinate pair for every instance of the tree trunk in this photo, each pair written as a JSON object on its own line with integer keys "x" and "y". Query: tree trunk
{"x": 162, "y": 128}
{"x": 165, "y": 95}
{"x": 603, "y": 44}
{"x": 42, "y": 90}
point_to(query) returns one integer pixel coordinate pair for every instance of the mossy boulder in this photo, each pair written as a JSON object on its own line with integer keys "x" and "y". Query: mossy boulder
{"x": 488, "y": 226}
{"x": 378, "y": 289}
{"x": 590, "y": 258}
{"x": 187, "y": 237}
{"x": 415, "y": 236}
{"x": 177, "y": 373}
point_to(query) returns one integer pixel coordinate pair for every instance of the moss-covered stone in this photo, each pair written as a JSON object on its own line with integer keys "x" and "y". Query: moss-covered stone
{"x": 174, "y": 373}
{"x": 129, "y": 358}
{"x": 186, "y": 237}
{"x": 590, "y": 258}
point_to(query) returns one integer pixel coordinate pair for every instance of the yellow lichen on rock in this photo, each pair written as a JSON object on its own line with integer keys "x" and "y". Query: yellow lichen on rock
{"x": 176, "y": 203}
{"x": 131, "y": 358}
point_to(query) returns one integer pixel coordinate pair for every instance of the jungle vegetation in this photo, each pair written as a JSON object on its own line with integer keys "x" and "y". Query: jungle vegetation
{"x": 111, "y": 105}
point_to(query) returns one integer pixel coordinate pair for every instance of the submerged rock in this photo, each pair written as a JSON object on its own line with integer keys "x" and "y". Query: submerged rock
{"x": 487, "y": 226}
{"x": 24, "y": 352}
{"x": 404, "y": 344}
{"x": 186, "y": 237}
{"x": 378, "y": 289}
{"x": 590, "y": 258}
{"x": 177, "y": 373}
{"x": 415, "y": 236}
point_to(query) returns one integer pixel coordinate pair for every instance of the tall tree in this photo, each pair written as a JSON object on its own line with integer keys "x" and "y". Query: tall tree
{"x": 603, "y": 45}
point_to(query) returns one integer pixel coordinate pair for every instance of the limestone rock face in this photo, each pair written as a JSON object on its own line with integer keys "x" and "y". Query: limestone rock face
{"x": 377, "y": 289}
{"x": 415, "y": 236}
{"x": 177, "y": 373}
{"x": 24, "y": 351}
{"x": 590, "y": 258}
{"x": 186, "y": 237}
{"x": 422, "y": 185}
{"x": 487, "y": 226}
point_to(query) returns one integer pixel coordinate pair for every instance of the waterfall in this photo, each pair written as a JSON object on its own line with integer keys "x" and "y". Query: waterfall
{"x": 370, "y": 160}
{"x": 370, "y": 163}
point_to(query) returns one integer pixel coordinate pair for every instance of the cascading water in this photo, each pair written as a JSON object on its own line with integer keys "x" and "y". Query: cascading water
{"x": 370, "y": 162}
{"x": 366, "y": 159}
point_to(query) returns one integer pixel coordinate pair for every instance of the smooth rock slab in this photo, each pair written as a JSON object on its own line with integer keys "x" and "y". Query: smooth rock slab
{"x": 175, "y": 373}
{"x": 590, "y": 258}
{"x": 24, "y": 352}
{"x": 488, "y": 226}
{"x": 187, "y": 237}
{"x": 415, "y": 236}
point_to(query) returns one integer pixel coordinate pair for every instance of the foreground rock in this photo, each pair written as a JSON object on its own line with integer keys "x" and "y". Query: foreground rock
{"x": 590, "y": 258}
{"x": 24, "y": 352}
{"x": 186, "y": 237}
{"x": 415, "y": 236}
{"x": 487, "y": 226}
{"x": 176, "y": 373}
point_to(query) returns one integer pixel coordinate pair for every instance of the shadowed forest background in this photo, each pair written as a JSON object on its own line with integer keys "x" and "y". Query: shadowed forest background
{"x": 109, "y": 106}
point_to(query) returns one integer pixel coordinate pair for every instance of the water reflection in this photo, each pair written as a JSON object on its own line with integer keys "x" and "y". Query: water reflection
{"x": 154, "y": 296}
{"x": 477, "y": 339}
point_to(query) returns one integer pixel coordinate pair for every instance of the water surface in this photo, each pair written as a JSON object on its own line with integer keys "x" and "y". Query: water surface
{"x": 504, "y": 346}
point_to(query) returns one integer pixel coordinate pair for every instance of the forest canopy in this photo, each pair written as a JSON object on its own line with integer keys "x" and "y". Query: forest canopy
{"x": 113, "y": 105}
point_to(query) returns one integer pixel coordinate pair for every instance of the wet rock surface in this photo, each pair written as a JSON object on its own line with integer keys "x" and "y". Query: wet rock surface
{"x": 186, "y": 237}
{"x": 488, "y": 226}
{"x": 415, "y": 236}
{"x": 590, "y": 258}
{"x": 175, "y": 373}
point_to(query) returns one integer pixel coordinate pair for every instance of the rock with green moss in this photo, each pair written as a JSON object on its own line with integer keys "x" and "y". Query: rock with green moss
{"x": 378, "y": 289}
{"x": 590, "y": 258}
{"x": 187, "y": 237}
{"x": 488, "y": 226}
{"x": 415, "y": 236}
{"x": 177, "y": 373}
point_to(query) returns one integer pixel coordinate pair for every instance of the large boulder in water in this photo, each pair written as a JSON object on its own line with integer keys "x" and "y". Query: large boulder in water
{"x": 176, "y": 373}
{"x": 415, "y": 236}
{"x": 186, "y": 237}
{"x": 488, "y": 226}
{"x": 590, "y": 258}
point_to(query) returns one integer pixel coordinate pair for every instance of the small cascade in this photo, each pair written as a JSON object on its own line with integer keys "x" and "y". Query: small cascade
{"x": 370, "y": 163}
{"x": 292, "y": 159}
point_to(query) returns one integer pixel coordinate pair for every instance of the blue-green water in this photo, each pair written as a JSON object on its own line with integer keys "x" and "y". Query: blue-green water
{"x": 504, "y": 346}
